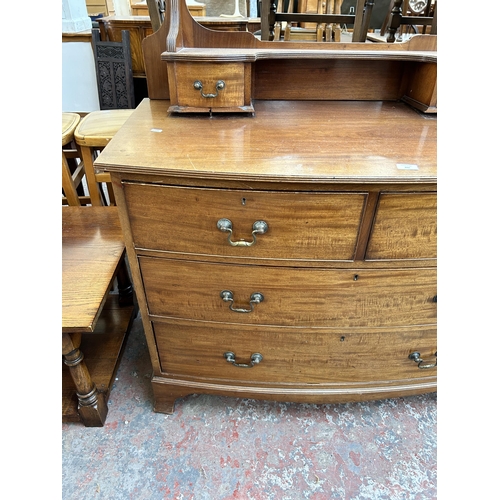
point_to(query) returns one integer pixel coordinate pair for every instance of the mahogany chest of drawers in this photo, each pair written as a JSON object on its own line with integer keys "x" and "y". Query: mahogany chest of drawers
{"x": 289, "y": 255}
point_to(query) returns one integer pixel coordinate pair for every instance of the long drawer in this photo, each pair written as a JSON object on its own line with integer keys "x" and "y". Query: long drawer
{"x": 307, "y": 226}
{"x": 289, "y": 296}
{"x": 293, "y": 355}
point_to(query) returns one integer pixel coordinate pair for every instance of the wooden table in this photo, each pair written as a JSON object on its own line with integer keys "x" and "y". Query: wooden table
{"x": 139, "y": 27}
{"x": 94, "y": 324}
{"x": 218, "y": 23}
{"x": 141, "y": 9}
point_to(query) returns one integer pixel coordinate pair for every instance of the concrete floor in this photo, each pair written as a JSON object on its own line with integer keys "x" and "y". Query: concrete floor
{"x": 218, "y": 448}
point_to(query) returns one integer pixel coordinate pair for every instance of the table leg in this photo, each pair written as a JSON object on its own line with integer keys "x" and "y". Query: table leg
{"x": 92, "y": 406}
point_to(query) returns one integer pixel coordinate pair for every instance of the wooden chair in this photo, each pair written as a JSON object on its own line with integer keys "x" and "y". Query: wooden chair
{"x": 398, "y": 17}
{"x": 113, "y": 63}
{"x": 72, "y": 176}
{"x": 97, "y": 297}
{"x": 328, "y": 32}
{"x": 92, "y": 135}
{"x": 156, "y": 9}
{"x": 327, "y": 21}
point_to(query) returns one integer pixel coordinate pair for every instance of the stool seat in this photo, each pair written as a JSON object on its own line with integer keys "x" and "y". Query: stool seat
{"x": 92, "y": 135}
{"x": 69, "y": 123}
{"x": 98, "y": 127}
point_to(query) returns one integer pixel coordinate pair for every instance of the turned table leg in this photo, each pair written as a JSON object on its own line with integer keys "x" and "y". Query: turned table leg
{"x": 92, "y": 406}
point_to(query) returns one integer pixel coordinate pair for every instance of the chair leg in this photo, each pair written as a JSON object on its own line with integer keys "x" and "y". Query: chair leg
{"x": 92, "y": 406}
{"x": 68, "y": 185}
{"x": 88, "y": 163}
{"x": 111, "y": 194}
{"x": 100, "y": 187}
{"x": 394, "y": 20}
{"x": 73, "y": 156}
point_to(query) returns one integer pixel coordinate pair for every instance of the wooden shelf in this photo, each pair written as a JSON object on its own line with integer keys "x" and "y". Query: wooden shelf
{"x": 102, "y": 351}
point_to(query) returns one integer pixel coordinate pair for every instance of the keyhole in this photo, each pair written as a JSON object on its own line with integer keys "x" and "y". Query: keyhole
{"x": 355, "y": 277}
{"x": 342, "y": 338}
{"x": 243, "y": 201}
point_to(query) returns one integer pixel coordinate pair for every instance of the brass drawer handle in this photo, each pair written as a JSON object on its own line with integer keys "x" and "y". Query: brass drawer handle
{"x": 218, "y": 86}
{"x": 255, "y": 298}
{"x": 255, "y": 359}
{"x": 226, "y": 226}
{"x": 415, "y": 356}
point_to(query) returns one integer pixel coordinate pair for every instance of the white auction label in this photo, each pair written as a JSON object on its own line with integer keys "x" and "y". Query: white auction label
{"x": 406, "y": 166}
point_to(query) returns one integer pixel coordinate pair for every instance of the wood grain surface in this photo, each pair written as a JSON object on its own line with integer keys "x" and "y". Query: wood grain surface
{"x": 292, "y": 297}
{"x": 311, "y": 226}
{"x": 306, "y": 141}
{"x": 90, "y": 255}
{"x": 292, "y": 356}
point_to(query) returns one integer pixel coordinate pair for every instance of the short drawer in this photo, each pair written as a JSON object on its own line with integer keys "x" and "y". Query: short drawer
{"x": 195, "y": 86}
{"x": 405, "y": 227}
{"x": 293, "y": 356}
{"x": 305, "y": 226}
{"x": 290, "y": 296}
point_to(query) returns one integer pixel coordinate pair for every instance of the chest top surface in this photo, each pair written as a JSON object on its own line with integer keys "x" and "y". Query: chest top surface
{"x": 304, "y": 141}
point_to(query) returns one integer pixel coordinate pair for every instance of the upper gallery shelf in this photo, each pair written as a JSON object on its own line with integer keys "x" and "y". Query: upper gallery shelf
{"x": 202, "y": 70}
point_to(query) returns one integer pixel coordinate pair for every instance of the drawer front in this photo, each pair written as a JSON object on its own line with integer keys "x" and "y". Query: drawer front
{"x": 291, "y": 296}
{"x": 232, "y": 95}
{"x": 305, "y": 226}
{"x": 293, "y": 356}
{"x": 405, "y": 227}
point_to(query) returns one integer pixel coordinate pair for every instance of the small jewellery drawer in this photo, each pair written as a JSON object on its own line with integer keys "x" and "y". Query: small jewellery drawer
{"x": 198, "y": 86}
{"x": 405, "y": 227}
{"x": 305, "y": 297}
{"x": 245, "y": 224}
{"x": 294, "y": 356}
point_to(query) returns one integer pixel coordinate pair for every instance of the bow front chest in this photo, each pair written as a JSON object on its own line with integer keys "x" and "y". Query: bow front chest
{"x": 289, "y": 255}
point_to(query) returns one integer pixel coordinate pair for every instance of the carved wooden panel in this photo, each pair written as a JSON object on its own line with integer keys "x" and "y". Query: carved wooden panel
{"x": 114, "y": 72}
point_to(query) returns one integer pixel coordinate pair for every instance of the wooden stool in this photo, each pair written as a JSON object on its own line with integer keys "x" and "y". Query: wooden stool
{"x": 92, "y": 135}
{"x": 95, "y": 319}
{"x": 71, "y": 176}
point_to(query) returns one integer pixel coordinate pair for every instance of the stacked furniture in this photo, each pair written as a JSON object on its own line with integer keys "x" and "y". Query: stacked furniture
{"x": 92, "y": 135}
{"x": 97, "y": 295}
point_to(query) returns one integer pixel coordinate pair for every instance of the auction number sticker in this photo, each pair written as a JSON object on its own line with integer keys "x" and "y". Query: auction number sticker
{"x": 406, "y": 166}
